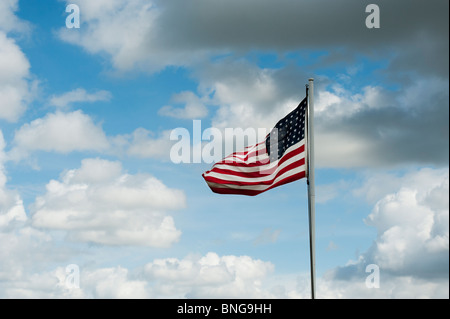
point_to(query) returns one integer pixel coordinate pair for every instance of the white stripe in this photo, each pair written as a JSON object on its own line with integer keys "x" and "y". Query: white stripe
{"x": 235, "y": 178}
{"x": 254, "y": 148}
{"x": 259, "y": 187}
{"x": 263, "y": 167}
{"x": 259, "y": 158}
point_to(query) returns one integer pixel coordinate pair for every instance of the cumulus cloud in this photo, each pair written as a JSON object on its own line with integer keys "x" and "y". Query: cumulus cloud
{"x": 143, "y": 143}
{"x": 16, "y": 84}
{"x": 78, "y": 95}
{"x": 194, "y": 107}
{"x": 66, "y": 132}
{"x": 121, "y": 29}
{"x": 18, "y": 237}
{"x": 211, "y": 276}
{"x": 100, "y": 203}
{"x": 58, "y": 132}
{"x": 9, "y": 22}
{"x": 21, "y": 257}
{"x": 16, "y": 90}
{"x": 112, "y": 283}
{"x": 11, "y": 205}
{"x": 244, "y": 95}
{"x": 412, "y": 245}
{"x": 413, "y": 235}
{"x": 208, "y": 276}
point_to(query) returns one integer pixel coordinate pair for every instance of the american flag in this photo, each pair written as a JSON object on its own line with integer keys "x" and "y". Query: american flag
{"x": 279, "y": 159}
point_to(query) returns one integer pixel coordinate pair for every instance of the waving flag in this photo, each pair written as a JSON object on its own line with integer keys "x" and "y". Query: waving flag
{"x": 279, "y": 159}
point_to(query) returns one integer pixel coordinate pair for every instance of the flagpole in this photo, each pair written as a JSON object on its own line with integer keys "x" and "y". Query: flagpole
{"x": 311, "y": 186}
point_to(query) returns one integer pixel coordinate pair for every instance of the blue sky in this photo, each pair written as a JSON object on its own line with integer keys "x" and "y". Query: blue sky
{"x": 86, "y": 176}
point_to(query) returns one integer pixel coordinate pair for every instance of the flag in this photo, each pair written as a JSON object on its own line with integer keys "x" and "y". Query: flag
{"x": 278, "y": 160}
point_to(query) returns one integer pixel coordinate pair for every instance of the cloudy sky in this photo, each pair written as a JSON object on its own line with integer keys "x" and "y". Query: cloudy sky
{"x": 86, "y": 178}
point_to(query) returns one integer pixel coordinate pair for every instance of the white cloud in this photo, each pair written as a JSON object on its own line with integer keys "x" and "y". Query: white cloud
{"x": 194, "y": 107}
{"x": 19, "y": 240}
{"x": 59, "y": 132}
{"x": 208, "y": 276}
{"x": 124, "y": 30}
{"x": 11, "y": 205}
{"x": 338, "y": 102}
{"x": 14, "y": 65}
{"x": 79, "y": 95}
{"x": 247, "y": 96}
{"x": 112, "y": 283}
{"x": 99, "y": 203}
{"x": 413, "y": 233}
{"x": 22, "y": 245}
{"x": 211, "y": 276}
{"x": 146, "y": 144}
{"x": 8, "y": 20}
{"x": 22, "y": 255}
{"x": 412, "y": 245}
{"x": 65, "y": 132}
{"x": 382, "y": 184}
{"x": 15, "y": 88}
{"x": 11, "y": 208}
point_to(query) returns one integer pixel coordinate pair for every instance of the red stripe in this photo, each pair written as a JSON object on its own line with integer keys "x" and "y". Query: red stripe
{"x": 248, "y": 147}
{"x": 268, "y": 182}
{"x": 261, "y": 173}
{"x": 250, "y": 192}
{"x": 233, "y": 162}
{"x": 237, "y": 159}
{"x": 245, "y": 151}
{"x": 245, "y": 158}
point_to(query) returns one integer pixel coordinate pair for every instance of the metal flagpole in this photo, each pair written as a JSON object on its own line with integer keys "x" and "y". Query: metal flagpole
{"x": 311, "y": 186}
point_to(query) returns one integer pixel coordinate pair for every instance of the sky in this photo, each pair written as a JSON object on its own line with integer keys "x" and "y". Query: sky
{"x": 92, "y": 204}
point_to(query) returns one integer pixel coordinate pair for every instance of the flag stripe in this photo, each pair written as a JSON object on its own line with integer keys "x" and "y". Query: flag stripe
{"x": 237, "y": 180}
{"x": 243, "y": 167}
{"x": 266, "y": 172}
{"x": 252, "y": 156}
{"x": 253, "y": 190}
